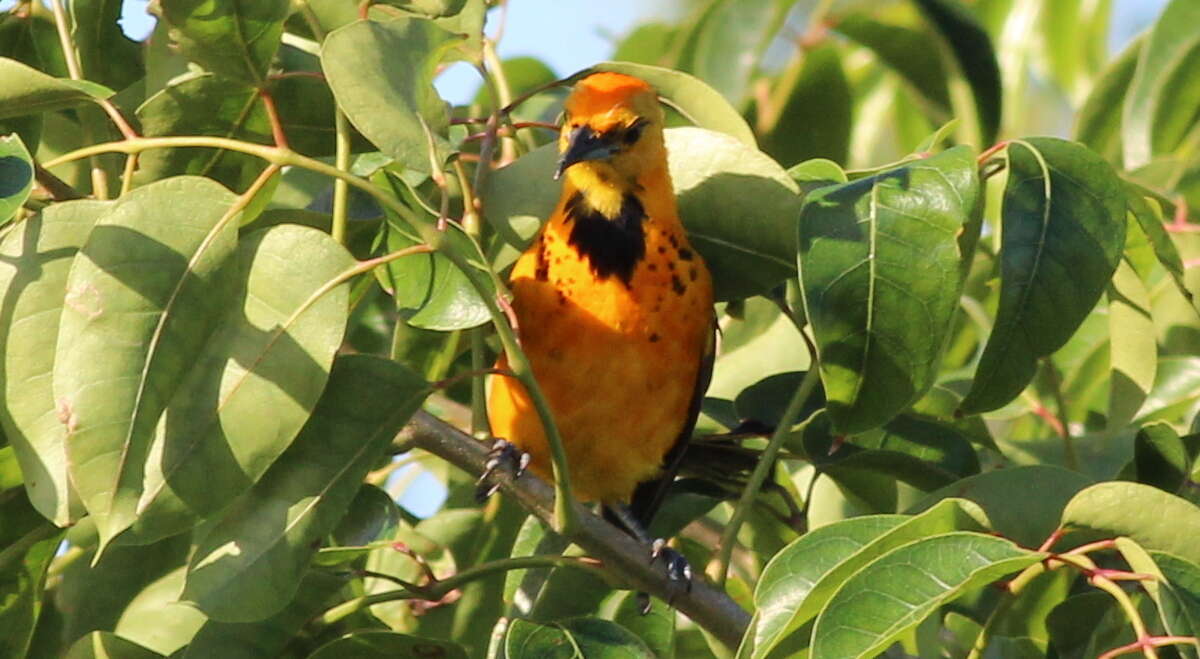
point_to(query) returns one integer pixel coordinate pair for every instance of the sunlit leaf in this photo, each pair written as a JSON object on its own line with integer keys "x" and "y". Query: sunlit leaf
{"x": 26, "y": 90}
{"x": 574, "y": 637}
{"x": 16, "y": 176}
{"x": 385, "y": 645}
{"x": 236, "y": 40}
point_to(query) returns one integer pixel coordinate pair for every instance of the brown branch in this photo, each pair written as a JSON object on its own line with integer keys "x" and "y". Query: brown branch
{"x": 622, "y": 556}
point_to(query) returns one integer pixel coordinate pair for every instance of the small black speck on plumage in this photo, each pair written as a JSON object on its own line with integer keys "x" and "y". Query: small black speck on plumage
{"x": 677, "y": 285}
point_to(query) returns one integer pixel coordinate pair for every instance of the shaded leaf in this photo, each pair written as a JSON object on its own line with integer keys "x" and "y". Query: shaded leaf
{"x": 1098, "y": 123}
{"x": 28, "y": 91}
{"x": 1120, "y": 508}
{"x": 246, "y": 566}
{"x": 897, "y": 590}
{"x": 235, "y": 40}
{"x": 815, "y": 118}
{"x": 105, "y": 54}
{"x": 16, "y": 176}
{"x": 381, "y": 75}
{"x": 976, "y": 57}
{"x": 882, "y": 267}
{"x": 27, "y": 545}
{"x": 744, "y": 27}
{"x": 1149, "y": 216}
{"x": 1133, "y": 350}
{"x": 143, "y": 294}
{"x": 588, "y": 637}
{"x": 107, "y": 645}
{"x": 157, "y": 619}
{"x": 656, "y": 628}
{"x": 36, "y": 258}
{"x": 904, "y": 49}
{"x": 1163, "y": 94}
{"x": 271, "y": 350}
{"x": 1063, "y": 234}
{"x": 385, "y": 645}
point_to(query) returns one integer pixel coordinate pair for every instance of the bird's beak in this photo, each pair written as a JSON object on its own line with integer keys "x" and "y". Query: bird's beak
{"x": 584, "y": 144}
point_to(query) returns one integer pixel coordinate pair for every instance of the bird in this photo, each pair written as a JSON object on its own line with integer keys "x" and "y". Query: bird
{"x": 614, "y": 310}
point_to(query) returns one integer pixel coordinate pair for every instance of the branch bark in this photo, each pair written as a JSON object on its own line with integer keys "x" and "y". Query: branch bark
{"x": 620, "y": 554}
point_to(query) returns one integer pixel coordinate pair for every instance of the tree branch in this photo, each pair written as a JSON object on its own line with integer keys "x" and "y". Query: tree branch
{"x": 621, "y": 555}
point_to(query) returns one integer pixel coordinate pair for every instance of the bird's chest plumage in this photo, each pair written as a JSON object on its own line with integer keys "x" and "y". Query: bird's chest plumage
{"x": 615, "y": 319}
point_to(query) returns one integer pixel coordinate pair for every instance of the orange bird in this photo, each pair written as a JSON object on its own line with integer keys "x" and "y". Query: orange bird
{"x": 614, "y": 307}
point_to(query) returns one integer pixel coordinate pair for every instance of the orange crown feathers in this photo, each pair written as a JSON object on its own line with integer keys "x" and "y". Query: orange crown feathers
{"x": 600, "y": 93}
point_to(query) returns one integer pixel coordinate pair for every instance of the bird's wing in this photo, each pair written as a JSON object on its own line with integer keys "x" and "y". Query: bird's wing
{"x": 649, "y": 495}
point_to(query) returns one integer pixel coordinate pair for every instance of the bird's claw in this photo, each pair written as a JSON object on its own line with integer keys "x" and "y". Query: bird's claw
{"x": 502, "y": 455}
{"x": 679, "y": 571}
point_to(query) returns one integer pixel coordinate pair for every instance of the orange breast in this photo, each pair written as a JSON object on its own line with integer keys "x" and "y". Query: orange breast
{"x": 618, "y": 362}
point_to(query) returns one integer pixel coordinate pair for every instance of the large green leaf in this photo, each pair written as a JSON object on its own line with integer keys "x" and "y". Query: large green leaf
{"x": 976, "y": 58}
{"x": 815, "y": 118}
{"x": 575, "y": 637}
{"x": 1133, "y": 350}
{"x": 1098, "y": 123}
{"x": 385, "y": 645}
{"x": 16, "y": 176}
{"x": 143, "y": 294}
{"x": 699, "y": 103}
{"x": 655, "y": 627}
{"x": 734, "y": 26}
{"x": 34, "y": 261}
{"x": 1063, "y": 234}
{"x": 882, "y": 262}
{"x": 27, "y": 545}
{"x": 898, "y": 589}
{"x": 247, "y": 566}
{"x": 904, "y": 49}
{"x": 1164, "y": 93}
{"x": 381, "y": 75}
{"x": 26, "y": 90}
{"x": 107, "y": 645}
{"x": 1025, "y": 519}
{"x": 106, "y": 55}
{"x": 1153, "y": 518}
{"x": 799, "y": 581}
{"x": 272, "y": 350}
{"x": 232, "y": 39}
{"x": 1148, "y": 214}
{"x": 265, "y": 638}
{"x": 739, "y": 207}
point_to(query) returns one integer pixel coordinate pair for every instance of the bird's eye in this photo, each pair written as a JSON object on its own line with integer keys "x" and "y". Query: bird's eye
{"x": 634, "y": 132}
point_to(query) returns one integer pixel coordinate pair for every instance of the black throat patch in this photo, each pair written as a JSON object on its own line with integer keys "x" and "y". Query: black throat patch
{"x": 613, "y": 245}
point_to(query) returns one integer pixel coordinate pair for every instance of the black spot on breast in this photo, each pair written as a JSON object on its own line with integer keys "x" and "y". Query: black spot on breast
{"x": 654, "y": 338}
{"x": 677, "y": 285}
{"x": 673, "y": 240}
{"x": 692, "y": 274}
{"x": 662, "y": 250}
{"x": 651, "y": 267}
{"x": 612, "y": 245}
{"x": 685, "y": 254}
{"x": 542, "y": 272}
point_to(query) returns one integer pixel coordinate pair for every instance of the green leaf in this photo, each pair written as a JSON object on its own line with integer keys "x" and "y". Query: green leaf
{"x": 1121, "y": 508}
{"x": 271, "y": 350}
{"x": 1098, "y": 123}
{"x": 28, "y": 91}
{"x": 976, "y": 58}
{"x": 744, "y": 27}
{"x": 1176, "y": 607}
{"x": 157, "y": 619}
{"x": 1149, "y": 216}
{"x": 904, "y": 49}
{"x": 1063, "y": 234}
{"x": 1163, "y": 94}
{"x": 750, "y": 247}
{"x": 656, "y": 627}
{"x": 814, "y": 120}
{"x": 695, "y": 100}
{"x": 107, "y": 645}
{"x": 27, "y": 545}
{"x": 105, "y": 54}
{"x": 1133, "y": 350}
{"x": 236, "y": 40}
{"x": 1025, "y": 519}
{"x": 923, "y": 453}
{"x": 1176, "y": 389}
{"x": 799, "y": 581}
{"x": 897, "y": 590}
{"x": 386, "y": 645}
{"x": 269, "y": 637}
{"x": 575, "y": 637}
{"x": 143, "y": 294}
{"x": 381, "y": 75}
{"x": 882, "y": 268}
{"x": 648, "y": 43}
{"x": 16, "y": 176}
{"x": 431, "y": 292}
{"x": 246, "y": 567}
{"x": 36, "y": 258}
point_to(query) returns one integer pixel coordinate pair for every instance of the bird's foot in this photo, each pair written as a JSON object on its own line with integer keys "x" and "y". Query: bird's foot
{"x": 504, "y": 455}
{"x": 679, "y": 571}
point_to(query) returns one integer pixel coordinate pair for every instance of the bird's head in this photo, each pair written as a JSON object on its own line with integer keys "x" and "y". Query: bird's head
{"x": 612, "y": 132}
